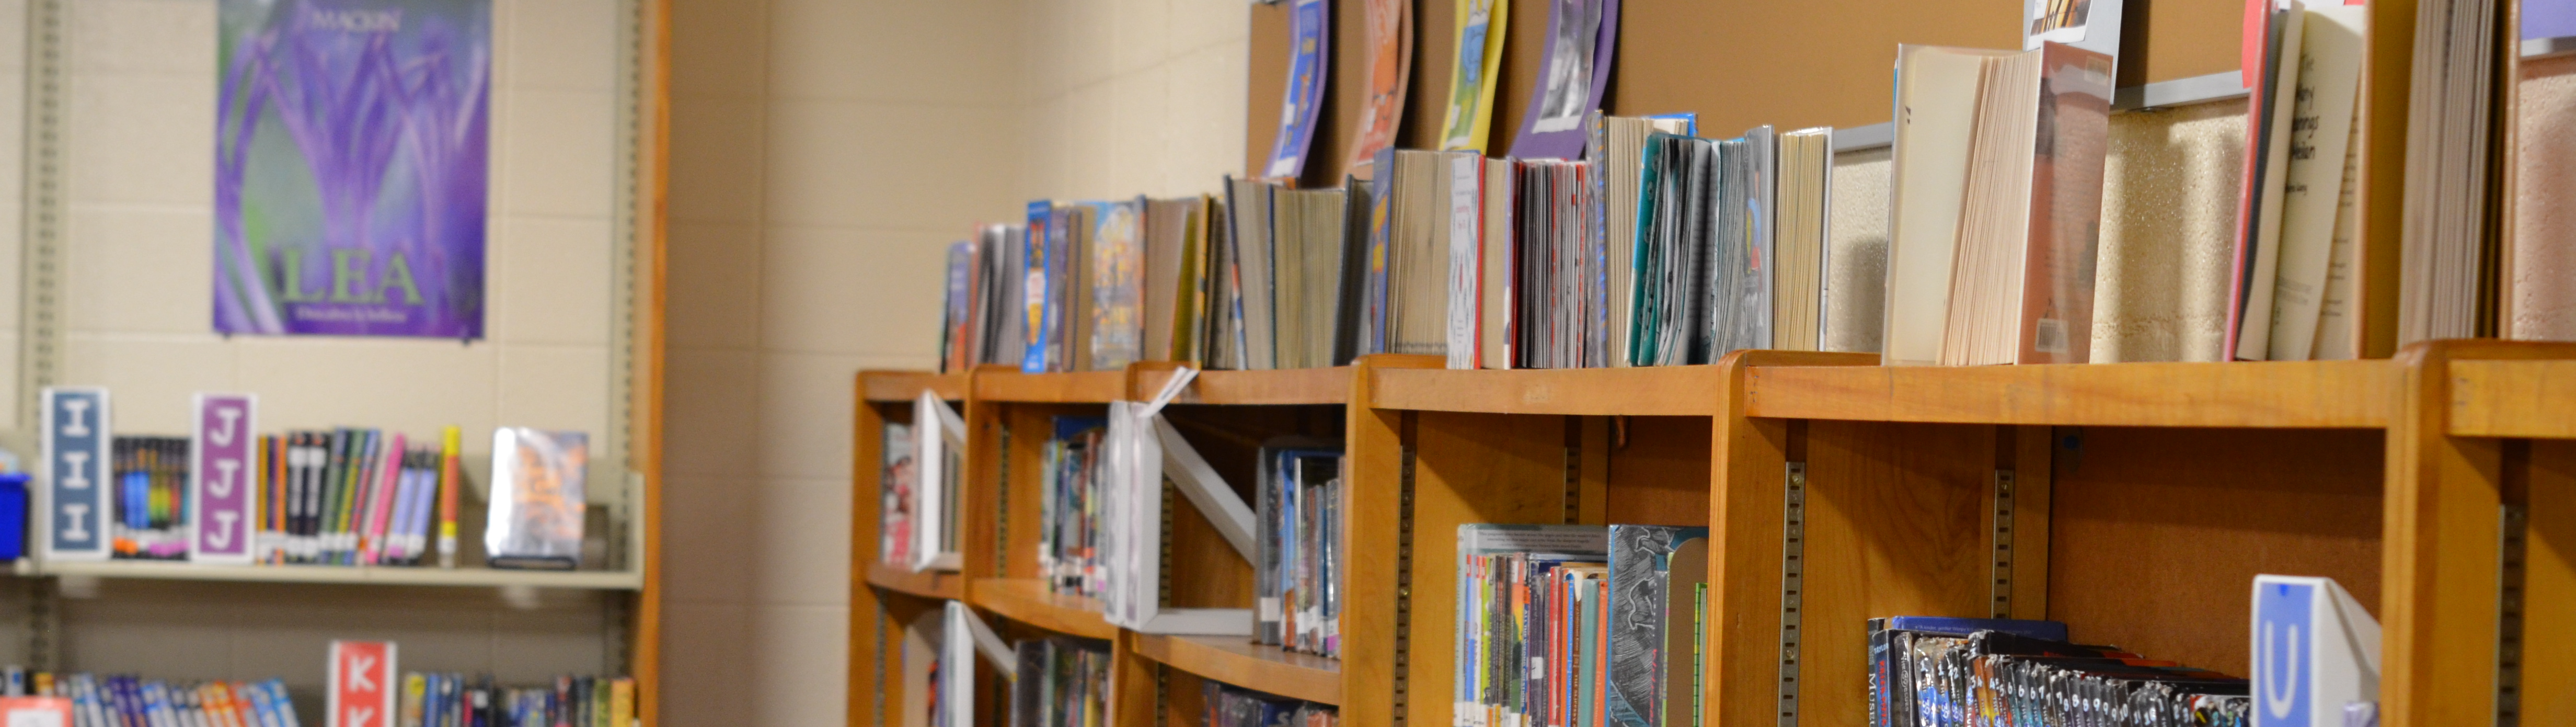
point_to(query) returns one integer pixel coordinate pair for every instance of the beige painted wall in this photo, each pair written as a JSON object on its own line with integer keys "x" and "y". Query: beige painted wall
{"x": 824, "y": 153}
{"x": 138, "y": 245}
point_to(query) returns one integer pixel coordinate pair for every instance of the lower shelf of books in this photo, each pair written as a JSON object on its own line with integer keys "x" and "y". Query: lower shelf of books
{"x": 1233, "y": 660}
{"x": 488, "y": 577}
{"x": 1027, "y": 601}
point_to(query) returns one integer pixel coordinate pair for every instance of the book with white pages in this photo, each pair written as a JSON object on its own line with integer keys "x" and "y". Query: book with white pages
{"x": 2317, "y": 196}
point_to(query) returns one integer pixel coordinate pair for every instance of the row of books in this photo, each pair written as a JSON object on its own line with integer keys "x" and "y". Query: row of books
{"x": 1060, "y": 681}
{"x": 1945, "y": 672}
{"x": 1073, "y": 478}
{"x": 345, "y": 496}
{"x": 1580, "y": 626}
{"x": 450, "y": 699}
{"x": 1657, "y": 247}
{"x": 129, "y": 701}
{"x": 1299, "y": 550}
{"x": 1227, "y": 705}
{"x": 353, "y": 496}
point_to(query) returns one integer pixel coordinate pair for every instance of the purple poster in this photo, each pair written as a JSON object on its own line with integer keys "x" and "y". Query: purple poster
{"x": 2548, "y": 19}
{"x": 1582, "y": 36}
{"x": 350, "y": 167}
{"x": 222, "y": 494}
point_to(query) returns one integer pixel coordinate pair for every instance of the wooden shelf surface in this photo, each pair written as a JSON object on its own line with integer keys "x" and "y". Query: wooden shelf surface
{"x": 1027, "y": 601}
{"x": 392, "y": 576}
{"x": 926, "y": 584}
{"x": 1643, "y": 391}
{"x": 1283, "y": 386}
{"x": 2515, "y": 399}
{"x": 1234, "y": 661}
{"x": 1082, "y": 387}
{"x": 2295, "y": 394}
{"x": 901, "y": 386}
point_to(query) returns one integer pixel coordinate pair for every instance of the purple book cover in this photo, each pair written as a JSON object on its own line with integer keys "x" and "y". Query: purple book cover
{"x": 1309, "y": 63}
{"x": 351, "y": 161}
{"x": 222, "y": 489}
{"x": 1582, "y": 35}
{"x": 2548, "y": 19}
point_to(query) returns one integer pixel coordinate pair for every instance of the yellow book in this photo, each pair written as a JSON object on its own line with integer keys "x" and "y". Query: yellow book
{"x": 621, "y": 702}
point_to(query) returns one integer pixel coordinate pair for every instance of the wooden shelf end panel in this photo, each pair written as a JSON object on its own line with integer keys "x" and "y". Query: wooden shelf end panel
{"x": 1232, "y": 660}
{"x": 902, "y": 386}
{"x": 1642, "y": 391}
{"x": 1082, "y": 387}
{"x": 2513, "y": 399}
{"x": 924, "y": 584}
{"x": 1026, "y": 600}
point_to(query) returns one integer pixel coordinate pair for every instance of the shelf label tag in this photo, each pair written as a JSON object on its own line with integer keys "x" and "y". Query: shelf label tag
{"x": 223, "y": 479}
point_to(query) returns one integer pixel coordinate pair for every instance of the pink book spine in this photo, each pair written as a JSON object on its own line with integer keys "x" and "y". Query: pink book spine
{"x": 374, "y": 542}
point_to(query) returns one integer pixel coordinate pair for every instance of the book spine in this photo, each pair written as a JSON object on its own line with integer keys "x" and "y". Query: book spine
{"x": 382, "y": 512}
{"x": 449, "y": 473}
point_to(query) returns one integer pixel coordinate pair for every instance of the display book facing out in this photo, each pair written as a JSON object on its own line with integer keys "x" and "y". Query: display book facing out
{"x": 347, "y": 496}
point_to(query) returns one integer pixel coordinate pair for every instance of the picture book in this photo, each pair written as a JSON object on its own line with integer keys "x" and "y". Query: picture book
{"x": 1390, "y": 67}
{"x": 1477, "y": 59}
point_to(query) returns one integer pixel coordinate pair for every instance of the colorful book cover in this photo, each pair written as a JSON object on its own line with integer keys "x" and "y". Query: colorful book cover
{"x": 1479, "y": 60}
{"x": 1582, "y": 37}
{"x": 1117, "y": 284}
{"x": 1390, "y": 65}
{"x": 1033, "y": 291}
{"x": 537, "y": 498}
{"x": 220, "y": 493}
{"x": 1309, "y": 63}
{"x": 350, "y": 167}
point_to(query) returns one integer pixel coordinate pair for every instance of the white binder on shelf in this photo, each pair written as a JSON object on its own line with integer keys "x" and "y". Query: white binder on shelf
{"x": 2316, "y": 651}
{"x": 1144, "y": 451}
{"x": 939, "y": 435}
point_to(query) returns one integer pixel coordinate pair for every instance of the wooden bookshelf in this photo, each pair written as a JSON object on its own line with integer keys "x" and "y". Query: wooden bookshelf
{"x": 1088, "y": 387}
{"x": 2474, "y": 450}
{"x": 1027, "y": 601}
{"x": 2313, "y": 394}
{"x": 905, "y": 386}
{"x": 943, "y": 585}
{"x": 1241, "y": 388}
{"x": 1231, "y": 660}
{"x": 2143, "y": 497}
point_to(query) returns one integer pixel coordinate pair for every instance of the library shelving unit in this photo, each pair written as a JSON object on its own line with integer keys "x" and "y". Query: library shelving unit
{"x": 2482, "y": 530}
{"x": 2133, "y": 501}
{"x": 883, "y": 598}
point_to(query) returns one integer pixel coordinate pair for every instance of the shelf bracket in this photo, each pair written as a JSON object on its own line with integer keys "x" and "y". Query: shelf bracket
{"x": 2512, "y": 546}
{"x": 1793, "y": 571}
{"x": 1404, "y": 582}
{"x": 2003, "y": 539}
